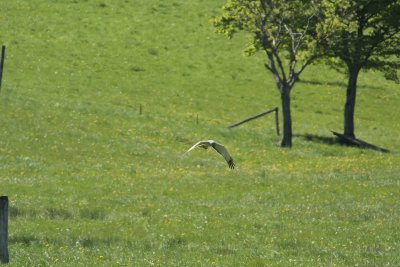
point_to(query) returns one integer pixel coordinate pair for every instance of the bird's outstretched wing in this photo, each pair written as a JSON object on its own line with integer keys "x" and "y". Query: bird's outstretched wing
{"x": 222, "y": 150}
{"x": 200, "y": 143}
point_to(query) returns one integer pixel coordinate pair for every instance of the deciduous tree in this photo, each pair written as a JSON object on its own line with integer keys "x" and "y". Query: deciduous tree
{"x": 367, "y": 36}
{"x": 289, "y": 32}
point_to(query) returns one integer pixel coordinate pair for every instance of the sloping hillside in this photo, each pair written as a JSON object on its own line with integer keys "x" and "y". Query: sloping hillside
{"x": 101, "y": 98}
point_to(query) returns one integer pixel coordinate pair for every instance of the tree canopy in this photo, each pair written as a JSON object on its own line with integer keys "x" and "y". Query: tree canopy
{"x": 288, "y": 31}
{"x": 366, "y": 36}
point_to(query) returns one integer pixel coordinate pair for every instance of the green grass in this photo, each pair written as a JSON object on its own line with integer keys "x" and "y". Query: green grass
{"x": 92, "y": 182}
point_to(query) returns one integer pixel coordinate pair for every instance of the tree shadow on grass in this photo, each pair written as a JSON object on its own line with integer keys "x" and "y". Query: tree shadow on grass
{"x": 319, "y": 139}
{"x": 339, "y": 140}
{"x": 339, "y": 84}
{"x": 332, "y": 83}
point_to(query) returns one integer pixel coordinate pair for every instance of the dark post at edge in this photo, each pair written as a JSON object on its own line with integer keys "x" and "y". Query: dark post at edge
{"x": 3, "y": 55}
{"x": 4, "y": 229}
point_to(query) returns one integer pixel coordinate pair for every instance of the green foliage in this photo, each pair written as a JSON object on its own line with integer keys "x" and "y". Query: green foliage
{"x": 367, "y": 34}
{"x": 92, "y": 182}
{"x": 287, "y": 31}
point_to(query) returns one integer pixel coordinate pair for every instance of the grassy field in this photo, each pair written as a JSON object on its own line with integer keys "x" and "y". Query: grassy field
{"x": 100, "y": 99}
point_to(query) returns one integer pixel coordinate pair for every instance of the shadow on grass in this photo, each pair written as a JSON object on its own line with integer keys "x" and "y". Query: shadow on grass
{"x": 313, "y": 82}
{"x": 339, "y": 84}
{"x": 87, "y": 242}
{"x": 23, "y": 239}
{"x": 340, "y": 141}
{"x": 320, "y": 139}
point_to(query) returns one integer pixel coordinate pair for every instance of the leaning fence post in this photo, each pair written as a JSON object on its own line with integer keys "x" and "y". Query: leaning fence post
{"x": 4, "y": 229}
{"x": 3, "y": 55}
{"x": 252, "y": 118}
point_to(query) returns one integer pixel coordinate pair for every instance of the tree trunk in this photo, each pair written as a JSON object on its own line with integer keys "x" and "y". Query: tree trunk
{"x": 287, "y": 119}
{"x": 350, "y": 102}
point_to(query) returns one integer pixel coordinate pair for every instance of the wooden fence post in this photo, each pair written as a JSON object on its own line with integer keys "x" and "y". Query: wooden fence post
{"x": 4, "y": 229}
{"x": 277, "y": 120}
{"x": 3, "y": 55}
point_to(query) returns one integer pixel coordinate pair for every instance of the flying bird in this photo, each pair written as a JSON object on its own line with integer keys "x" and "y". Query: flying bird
{"x": 218, "y": 147}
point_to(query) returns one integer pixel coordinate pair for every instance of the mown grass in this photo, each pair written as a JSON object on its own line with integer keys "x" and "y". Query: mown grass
{"x": 93, "y": 182}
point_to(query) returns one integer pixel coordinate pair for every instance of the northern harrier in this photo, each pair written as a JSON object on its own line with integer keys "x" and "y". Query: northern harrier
{"x": 218, "y": 147}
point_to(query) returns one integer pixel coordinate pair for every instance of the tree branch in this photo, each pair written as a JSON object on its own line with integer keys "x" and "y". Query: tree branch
{"x": 271, "y": 49}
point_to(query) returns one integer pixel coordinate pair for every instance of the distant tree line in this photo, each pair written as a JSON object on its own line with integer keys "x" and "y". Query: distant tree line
{"x": 349, "y": 35}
